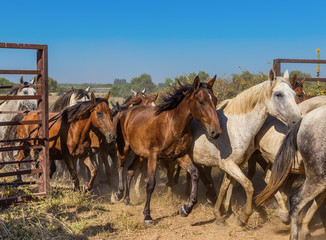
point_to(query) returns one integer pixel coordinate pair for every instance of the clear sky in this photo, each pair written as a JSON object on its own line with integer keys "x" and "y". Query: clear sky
{"x": 98, "y": 41}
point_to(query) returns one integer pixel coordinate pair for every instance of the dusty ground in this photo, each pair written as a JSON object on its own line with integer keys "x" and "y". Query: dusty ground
{"x": 75, "y": 215}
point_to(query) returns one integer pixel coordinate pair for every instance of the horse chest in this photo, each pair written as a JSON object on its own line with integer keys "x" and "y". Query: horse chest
{"x": 177, "y": 148}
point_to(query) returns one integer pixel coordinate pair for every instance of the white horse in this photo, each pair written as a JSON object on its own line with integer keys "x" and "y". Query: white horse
{"x": 241, "y": 118}
{"x": 17, "y": 105}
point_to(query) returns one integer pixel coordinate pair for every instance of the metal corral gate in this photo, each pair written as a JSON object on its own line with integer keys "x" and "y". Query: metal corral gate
{"x": 277, "y": 66}
{"x": 43, "y": 113}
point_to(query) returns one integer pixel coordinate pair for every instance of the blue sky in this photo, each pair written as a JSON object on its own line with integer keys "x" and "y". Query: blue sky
{"x": 98, "y": 41}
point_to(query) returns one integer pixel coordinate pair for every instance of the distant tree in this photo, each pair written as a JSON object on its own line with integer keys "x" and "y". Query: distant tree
{"x": 141, "y": 82}
{"x": 118, "y": 81}
{"x": 53, "y": 85}
{"x": 5, "y": 82}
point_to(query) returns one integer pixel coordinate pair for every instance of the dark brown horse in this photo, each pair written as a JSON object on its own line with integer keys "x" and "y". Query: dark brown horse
{"x": 69, "y": 134}
{"x": 99, "y": 144}
{"x": 163, "y": 132}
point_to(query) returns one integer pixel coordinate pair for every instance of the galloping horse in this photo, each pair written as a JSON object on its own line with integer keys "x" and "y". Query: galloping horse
{"x": 241, "y": 118}
{"x": 267, "y": 141}
{"x": 306, "y": 139}
{"x": 69, "y": 134}
{"x": 163, "y": 132}
{"x": 100, "y": 146}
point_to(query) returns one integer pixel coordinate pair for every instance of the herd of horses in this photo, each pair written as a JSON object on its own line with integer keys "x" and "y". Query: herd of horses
{"x": 273, "y": 124}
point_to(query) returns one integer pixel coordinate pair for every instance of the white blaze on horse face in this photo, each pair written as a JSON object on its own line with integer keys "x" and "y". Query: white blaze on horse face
{"x": 282, "y": 104}
{"x": 153, "y": 104}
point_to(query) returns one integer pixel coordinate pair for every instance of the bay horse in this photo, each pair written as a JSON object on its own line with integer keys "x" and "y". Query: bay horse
{"x": 241, "y": 118}
{"x": 305, "y": 139}
{"x": 163, "y": 133}
{"x": 99, "y": 144}
{"x": 69, "y": 134}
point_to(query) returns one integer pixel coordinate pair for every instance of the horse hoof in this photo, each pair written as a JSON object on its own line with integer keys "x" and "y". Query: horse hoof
{"x": 117, "y": 197}
{"x": 220, "y": 222}
{"x": 304, "y": 235}
{"x": 126, "y": 201}
{"x": 240, "y": 222}
{"x": 284, "y": 217}
{"x": 182, "y": 211}
{"x": 148, "y": 222}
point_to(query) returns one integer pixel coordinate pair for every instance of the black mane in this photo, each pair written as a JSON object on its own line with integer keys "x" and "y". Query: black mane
{"x": 173, "y": 98}
{"x": 79, "y": 111}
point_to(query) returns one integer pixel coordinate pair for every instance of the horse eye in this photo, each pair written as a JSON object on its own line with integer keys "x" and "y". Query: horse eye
{"x": 25, "y": 92}
{"x": 299, "y": 96}
{"x": 201, "y": 102}
{"x": 278, "y": 95}
{"x": 99, "y": 114}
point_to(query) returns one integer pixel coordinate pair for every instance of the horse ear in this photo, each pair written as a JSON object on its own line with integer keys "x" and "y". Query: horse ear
{"x": 21, "y": 80}
{"x": 196, "y": 82}
{"x": 93, "y": 98}
{"x": 133, "y": 92}
{"x": 87, "y": 89}
{"x": 302, "y": 81}
{"x": 144, "y": 90}
{"x": 212, "y": 81}
{"x": 32, "y": 81}
{"x": 155, "y": 97}
{"x": 286, "y": 74}
{"x": 118, "y": 106}
{"x": 293, "y": 80}
{"x": 72, "y": 88}
{"x": 271, "y": 75}
{"x": 107, "y": 96}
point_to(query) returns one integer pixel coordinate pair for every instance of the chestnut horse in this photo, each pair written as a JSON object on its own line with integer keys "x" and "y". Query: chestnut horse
{"x": 163, "y": 132}
{"x": 69, "y": 134}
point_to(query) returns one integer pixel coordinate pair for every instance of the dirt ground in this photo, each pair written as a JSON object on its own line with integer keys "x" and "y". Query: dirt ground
{"x": 127, "y": 221}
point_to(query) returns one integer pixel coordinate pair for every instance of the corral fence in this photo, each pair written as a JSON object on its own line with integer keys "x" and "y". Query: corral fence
{"x": 277, "y": 66}
{"x": 41, "y": 141}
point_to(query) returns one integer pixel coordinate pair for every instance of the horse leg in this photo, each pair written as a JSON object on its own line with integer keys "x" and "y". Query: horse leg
{"x": 170, "y": 170}
{"x": 205, "y": 174}
{"x": 104, "y": 156}
{"x": 21, "y": 155}
{"x": 217, "y": 207}
{"x": 142, "y": 169}
{"x": 305, "y": 194}
{"x": 287, "y": 185}
{"x": 235, "y": 172}
{"x": 176, "y": 175}
{"x": 131, "y": 171}
{"x": 93, "y": 171}
{"x": 283, "y": 211}
{"x": 121, "y": 161}
{"x": 227, "y": 200}
{"x": 310, "y": 213}
{"x": 186, "y": 163}
{"x": 72, "y": 169}
{"x": 151, "y": 169}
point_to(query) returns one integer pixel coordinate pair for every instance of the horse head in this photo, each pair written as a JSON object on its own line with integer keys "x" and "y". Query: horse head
{"x": 281, "y": 100}
{"x": 101, "y": 117}
{"x": 79, "y": 95}
{"x": 25, "y": 89}
{"x": 202, "y": 103}
{"x": 297, "y": 86}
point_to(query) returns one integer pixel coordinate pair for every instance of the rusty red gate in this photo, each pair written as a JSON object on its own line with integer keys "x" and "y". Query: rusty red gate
{"x": 277, "y": 66}
{"x": 41, "y": 142}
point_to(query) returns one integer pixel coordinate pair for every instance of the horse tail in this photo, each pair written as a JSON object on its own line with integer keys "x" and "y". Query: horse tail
{"x": 282, "y": 165}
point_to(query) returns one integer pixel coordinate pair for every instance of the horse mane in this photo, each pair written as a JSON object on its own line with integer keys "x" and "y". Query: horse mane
{"x": 246, "y": 101}
{"x": 64, "y": 100}
{"x": 175, "y": 95}
{"x": 79, "y": 111}
{"x": 14, "y": 91}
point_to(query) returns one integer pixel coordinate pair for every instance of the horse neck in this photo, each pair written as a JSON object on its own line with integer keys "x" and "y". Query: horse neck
{"x": 83, "y": 127}
{"x": 179, "y": 117}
